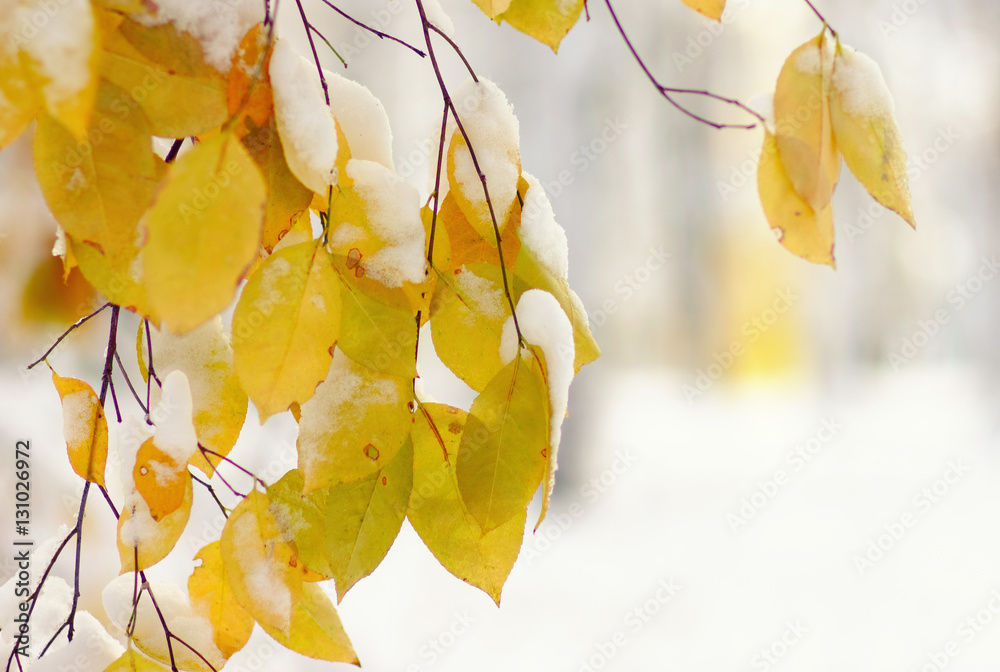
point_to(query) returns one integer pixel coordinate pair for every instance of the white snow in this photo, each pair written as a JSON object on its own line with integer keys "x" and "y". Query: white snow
{"x": 305, "y": 123}
{"x": 493, "y": 131}
{"x": 392, "y": 206}
{"x": 79, "y": 411}
{"x": 859, "y": 81}
{"x": 540, "y": 232}
{"x": 91, "y": 650}
{"x": 811, "y": 60}
{"x": 218, "y": 25}
{"x": 49, "y": 613}
{"x": 437, "y": 17}
{"x": 543, "y": 323}
{"x": 362, "y": 119}
{"x": 261, "y": 577}
{"x": 176, "y": 608}
{"x": 175, "y": 434}
{"x": 480, "y": 294}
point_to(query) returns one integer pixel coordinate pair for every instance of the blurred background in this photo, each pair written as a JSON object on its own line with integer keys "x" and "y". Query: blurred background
{"x": 826, "y": 499}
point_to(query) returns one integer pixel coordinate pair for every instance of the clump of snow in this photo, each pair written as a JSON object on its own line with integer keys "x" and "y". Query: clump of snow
{"x": 480, "y": 294}
{"x": 50, "y": 610}
{"x": 140, "y": 524}
{"x": 218, "y": 25}
{"x": 543, "y": 323}
{"x": 816, "y": 58}
{"x": 60, "y": 48}
{"x": 494, "y": 134}
{"x": 261, "y": 576}
{"x": 305, "y": 123}
{"x": 206, "y": 358}
{"x": 177, "y": 611}
{"x": 362, "y": 119}
{"x": 392, "y": 207}
{"x": 91, "y": 650}
{"x": 437, "y": 17}
{"x": 79, "y": 417}
{"x": 862, "y": 88}
{"x": 540, "y": 232}
{"x": 175, "y": 434}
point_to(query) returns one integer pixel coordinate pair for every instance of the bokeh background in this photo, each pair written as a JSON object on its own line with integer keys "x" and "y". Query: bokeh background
{"x": 828, "y": 499}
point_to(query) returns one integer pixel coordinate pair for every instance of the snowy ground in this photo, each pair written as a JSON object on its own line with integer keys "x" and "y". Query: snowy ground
{"x": 756, "y": 528}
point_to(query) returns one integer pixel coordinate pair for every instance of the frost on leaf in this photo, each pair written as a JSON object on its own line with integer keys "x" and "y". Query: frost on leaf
{"x": 545, "y": 325}
{"x": 203, "y": 231}
{"x": 354, "y": 424}
{"x": 803, "y": 231}
{"x": 803, "y": 129}
{"x": 91, "y": 650}
{"x": 439, "y": 515}
{"x": 285, "y": 325}
{"x": 305, "y": 123}
{"x": 362, "y": 119}
{"x": 205, "y": 357}
{"x": 84, "y": 427}
{"x": 861, "y": 110}
{"x": 489, "y": 121}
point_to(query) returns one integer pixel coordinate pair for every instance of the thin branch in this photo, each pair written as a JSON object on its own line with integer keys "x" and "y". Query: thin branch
{"x": 128, "y": 381}
{"x": 457, "y": 50}
{"x": 666, "y": 91}
{"x": 206, "y": 452}
{"x": 822, "y": 18}
{"x": 425, "y": 24}
{"x": 327, "y": 43}
{"x": 174, "y": 150}
{"x": 76, "y": 325}
{"x": 312, "y": 45}
{"x": 107, "y": 498}
{"x": 211, "y": 491}
{"x": 373, "y": 31}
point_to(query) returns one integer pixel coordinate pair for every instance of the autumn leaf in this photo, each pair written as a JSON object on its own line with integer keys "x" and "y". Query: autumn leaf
{"x": 315, "y": 629}
{"x": 711, "y": 8}
{"x": 162, "y": 482}
{"x": 803, "y": 231}
{"x": 439, "y": 515}
{"x": 212, "y": 598}
{"x": 862, "y": 115}
{"x": 806, "y": 142}
{"x": 149, "y": 541}
{"x": 84, "y": 427}
{"x": 503, "y": 453}
{"x": 354, "y": 425}
{"x": 133, "y": 661}
{"x": 203, "y": 232}
{"x": 285, "y": 325}
{"x": 548, "y": 21}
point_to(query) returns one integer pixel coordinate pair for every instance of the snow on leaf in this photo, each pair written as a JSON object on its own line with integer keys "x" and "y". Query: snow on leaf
{"x": 489, "y": 121}
{"x": 548, "y": 21}
{"x": 205, "y": 357}
{"x": 91, "y": 650}
{"x": 540, "y": 232}
{"x": 304, "y": 120}
{"x": 203, "y": 232}
{"x": 362, "y": 119}
{"x": 84, "y": 427}
{"x": 861, "y": 111}
{"x": 315, "y": 629}
{"x": 504, "y": 449}
{"x": 285, "y": 325}
{"x": 354, "y": 424}
{"x": 212, "y": 598}
{"x": 439, "y": 515}
{"x": 713, "y": 9}
{"x": 468, "y": 246}
{"x": 805, "y": 137}
{"x": 802, "y": 230}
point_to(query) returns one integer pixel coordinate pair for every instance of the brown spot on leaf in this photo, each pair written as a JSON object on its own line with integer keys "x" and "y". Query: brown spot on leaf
{"x": 384, "y": 480}
{"x": 353, "y": 257}
{"x": 359, "y": 272}
{"x": 371, "y": 452}
{"x": 545, "y": 453}
{"x": 455, "y": 428}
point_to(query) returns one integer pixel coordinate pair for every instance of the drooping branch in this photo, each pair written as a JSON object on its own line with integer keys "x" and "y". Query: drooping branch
{"x": 669, "y": 92}
{"x": 377, "y": 33}
{"x": 76, "y": 325}
{"x": 822, "y": 18}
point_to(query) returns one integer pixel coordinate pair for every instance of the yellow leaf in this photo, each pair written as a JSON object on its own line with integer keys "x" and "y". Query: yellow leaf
{"x": 354, "y": 425}
{"x": 84, "y": 427}
{"x": 805, "y": 232}
{"x": 212, "y": 598}
{"x": 316, "y": 630}
{"x": 161, "y": 481}
{"x": 378, "y": 326}
{"x": 492, "y": 7}
{"x": 133, "y": 661}
{"x": 302, "y": 518}
{"x": 711, "y": 8}
{"x": 285, "y": 326}
{"x": 248, "y": 90}
{"x": 161, "y": 66}
{"x": 466, "y": 246}
{"x": 548, "y": 21}
{"x": 53, "y": 294}
{"x": 19, "y": 101}
{"x": 468, "y": 312}
{"x": 806, "y": 143}
{"x": 287, "y": 198}
{"x": 203, "y": 232}
{"x": 364, "y": 517}
{"x": 255, "y": 561}
{"x": 155, "y": 539}
{"x": 438, "y": 514}
{"x": 470, "y": 197}
{"x": 206, "y": 358}
{"x": 504, "y": 449}
{"x": 99, "y": 189}
{"x": 861, "y": 111}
